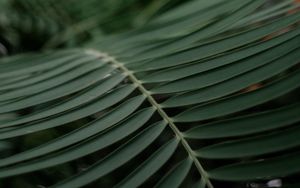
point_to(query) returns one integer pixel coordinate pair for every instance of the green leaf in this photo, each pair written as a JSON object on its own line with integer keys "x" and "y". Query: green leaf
{"x": 268, "y": 143}
{"x": 90, "y": 145}
{"x": 150, "y": 166}
{"x": 260, "y": 169}
{"x": 120, "y": 156}
{"x": 102, "y": 103}
{"x": 175, "y": 176}
{"x": 60, "y": 81}
{"x": 199, "y": 67}
{"x": 234, "y": 84}
{"x": 71, "y": 138}
{"x": 76, "y": 101}
{"x": 214, "y": 47}
{"x": 37, "y": 65}
{"x": 241, "y": 101}
{"x": 249, "y": 124}
{"x": 224, "y": 73}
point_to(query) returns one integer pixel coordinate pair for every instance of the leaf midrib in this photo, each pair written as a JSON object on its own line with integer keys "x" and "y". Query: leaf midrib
{"x": 111, "y": 60}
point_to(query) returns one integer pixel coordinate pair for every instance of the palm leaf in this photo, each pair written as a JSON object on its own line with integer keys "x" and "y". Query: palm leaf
{"x": 202, "y": 96}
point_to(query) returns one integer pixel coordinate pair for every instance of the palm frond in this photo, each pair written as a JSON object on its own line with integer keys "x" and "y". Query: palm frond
{"x": 206, "y": 95}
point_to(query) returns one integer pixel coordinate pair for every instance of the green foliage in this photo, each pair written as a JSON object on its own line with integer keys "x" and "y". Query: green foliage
{"x": 28, "y": 25}
{"x": 205, "y": 94}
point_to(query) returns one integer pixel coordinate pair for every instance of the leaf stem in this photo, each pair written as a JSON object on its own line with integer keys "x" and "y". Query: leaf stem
{"x": 109, "y": 59}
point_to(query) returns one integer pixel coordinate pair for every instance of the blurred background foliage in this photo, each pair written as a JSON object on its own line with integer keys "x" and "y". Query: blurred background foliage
{"x": 27, "y": 25}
